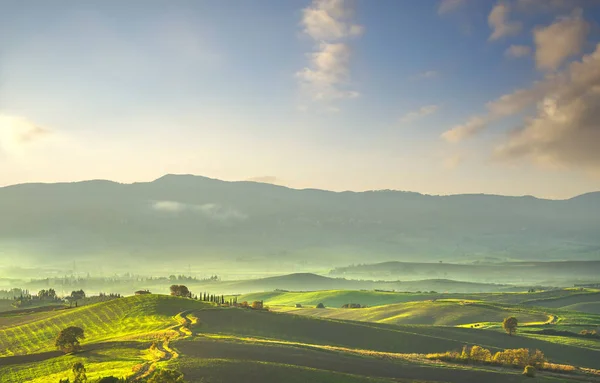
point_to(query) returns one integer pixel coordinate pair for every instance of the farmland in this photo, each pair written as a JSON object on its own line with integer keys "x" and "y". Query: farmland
{"x": 134, "y": 336}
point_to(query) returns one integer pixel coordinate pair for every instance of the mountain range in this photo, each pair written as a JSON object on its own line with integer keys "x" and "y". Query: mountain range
{"x": 202, "y": 222}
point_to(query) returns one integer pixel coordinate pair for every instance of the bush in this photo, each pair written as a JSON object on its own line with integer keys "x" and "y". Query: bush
{"x": 529, "y": 371}
{"x": 320, "y": 306}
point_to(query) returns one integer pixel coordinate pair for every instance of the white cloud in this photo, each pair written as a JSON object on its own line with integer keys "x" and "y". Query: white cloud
{"x": 18, "y": 132}
{"x": 565, "y": 129}
{"x": 421, "y": 112}
{"x": 327, "y": 71}
{"x": 498, "y": 20}
{"x": 470, "y": 128}
{"x": 327, "y": 76}
{"x": 447, "y": 6}
{"x": 212, "y": 211}
{"x": 536, "y": 6}
{"x": 518, "y": 51}
{"x": 329, "y": 20}
{"x": 557, "y": 42}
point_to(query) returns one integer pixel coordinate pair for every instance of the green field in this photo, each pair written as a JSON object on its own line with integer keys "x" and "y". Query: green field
{"x": 441, "y": 312}
{"x": 222, "y": 344}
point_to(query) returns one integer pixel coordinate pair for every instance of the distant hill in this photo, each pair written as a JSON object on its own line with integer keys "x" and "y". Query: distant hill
{"x": 558, "y": 273}
{"x": 250, "y": 225}
{"x": 312, "y": 282}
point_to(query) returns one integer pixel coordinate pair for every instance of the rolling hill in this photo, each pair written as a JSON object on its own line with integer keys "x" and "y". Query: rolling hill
{"x": 439, "y": 313}
{"x": 222, "y": 344}
{"x": 254, "y": 226}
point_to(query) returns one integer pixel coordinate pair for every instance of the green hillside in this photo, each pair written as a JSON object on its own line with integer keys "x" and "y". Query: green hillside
{"x": 124, "y": 318}
{"x": 444, "y": 312}
{"x": 232, "y": 344}
{"x": 379, "y": 337}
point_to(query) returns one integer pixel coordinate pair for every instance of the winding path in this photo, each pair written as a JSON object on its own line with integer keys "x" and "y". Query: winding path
{"x": 167, "y": 353}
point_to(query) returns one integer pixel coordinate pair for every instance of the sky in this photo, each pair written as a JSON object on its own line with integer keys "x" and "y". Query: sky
{"x": 438, "y": 97}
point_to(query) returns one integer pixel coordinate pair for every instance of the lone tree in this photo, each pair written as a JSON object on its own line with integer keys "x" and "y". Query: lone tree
{"x": 510, "y": 325}
{"x": 180, "y": 291}
{"x": 68, "y": 339}
{"x": 79, "y": 373}
{"x": 320, "y": 306}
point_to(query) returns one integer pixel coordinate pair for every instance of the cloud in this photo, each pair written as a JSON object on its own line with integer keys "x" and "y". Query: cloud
{"x": 328, "y": 70}
{"x": 212, "y": 211}
{"x": 565, "y": 127}
{"x": 536, "y": 6}
{"x": 565, "y": 131}
{"x": 421, "y": 112}
{"x": 426, "y": 75}
{"x": 447, "y": 6}
{"x": 328, "y": 73}
{"x": 329, "y": 20}
{"x": 557, "y": 42}
{"x": 518, "y": 51}
{"x": 498, "y": 20}
{"x": 17, "y": 132}
{"x": 265, "y": 179}
{"x": 470, "y": 128}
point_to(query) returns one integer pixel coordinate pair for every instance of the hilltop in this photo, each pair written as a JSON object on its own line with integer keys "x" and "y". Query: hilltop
{"x": 259, "y": 226}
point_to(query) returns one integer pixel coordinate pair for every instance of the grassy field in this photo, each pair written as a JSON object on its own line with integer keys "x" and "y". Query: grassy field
{"x": 220, "y": 344}
{"x": 336, "y": 298}
{"x": 125, "y": 318}
{"x": 380, "y": 337}
{"x": 441, "y": 312}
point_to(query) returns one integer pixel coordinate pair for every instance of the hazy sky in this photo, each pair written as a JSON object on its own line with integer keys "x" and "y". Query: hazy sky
{"x": 437, "y": 97}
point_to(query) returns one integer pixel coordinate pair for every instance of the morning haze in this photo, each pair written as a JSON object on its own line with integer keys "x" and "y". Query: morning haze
{"x": 300, "y": 191}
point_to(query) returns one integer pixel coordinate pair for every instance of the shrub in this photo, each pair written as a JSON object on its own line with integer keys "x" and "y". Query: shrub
{"x": 320, "y": 306}
{"x": 529, "y": 371}
{"x": 480, "y": 354}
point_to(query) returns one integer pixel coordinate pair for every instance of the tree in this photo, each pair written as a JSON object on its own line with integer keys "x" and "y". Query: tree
{"x": 166, "y": 376}
{"x": 510, "y": 325}
{"x": 180, "y": 291}
{"x": 76, "y": 295}
{"x": 320, "y": 306}
{"x": 257, "y": 305}
{"x": 79, "y": 373}
{"x": 68, "y": 339}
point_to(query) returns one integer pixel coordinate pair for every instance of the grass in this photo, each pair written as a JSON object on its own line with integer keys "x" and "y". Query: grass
{"x": 441, "y": 312}
{"x": 379, "y": 337}
{"x": 228, "y": 370}
{"x": 289, "y": 348}
{"x": 117, "y": 361}
{"x": 201, "y": 353}
{"x": 119, "y": 319}
{"x": 336, "y": 298}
